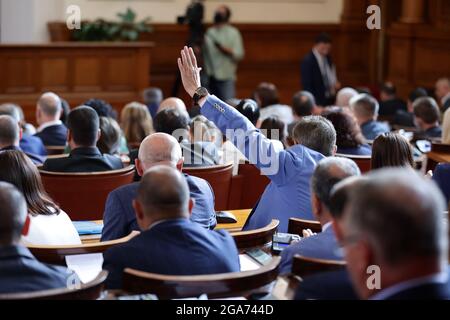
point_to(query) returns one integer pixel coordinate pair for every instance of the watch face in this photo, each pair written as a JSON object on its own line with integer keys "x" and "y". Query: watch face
{"x": 202, "y": 92}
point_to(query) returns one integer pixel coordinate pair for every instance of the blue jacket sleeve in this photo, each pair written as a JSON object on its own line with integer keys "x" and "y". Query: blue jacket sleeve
{"x": 113, "y": 219}
{"x": 250, "y": 141}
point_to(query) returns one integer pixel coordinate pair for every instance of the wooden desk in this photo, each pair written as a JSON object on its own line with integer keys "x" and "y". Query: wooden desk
{"x": 439, "y": 157}
{"x": 114, "y": 71}
{"x": 241, "y": 216}
{"x": 434, "y": 158}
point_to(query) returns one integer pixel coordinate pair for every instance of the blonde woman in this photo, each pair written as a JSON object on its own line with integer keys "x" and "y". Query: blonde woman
{"x": 136, "y": 123}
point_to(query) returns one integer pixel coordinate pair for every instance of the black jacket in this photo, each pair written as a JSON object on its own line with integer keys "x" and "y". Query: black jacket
{"x": 84, "y": 160}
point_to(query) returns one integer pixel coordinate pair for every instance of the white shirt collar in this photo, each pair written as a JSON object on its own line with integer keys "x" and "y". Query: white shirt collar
{"x": 438, "y": 278}
{"x": 326, "y": 226}
{"x": 49, "y": 124}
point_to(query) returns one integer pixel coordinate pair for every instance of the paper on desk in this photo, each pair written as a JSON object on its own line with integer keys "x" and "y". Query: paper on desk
{"x": 86, "y": 266}
{"x": 247, "y": 263}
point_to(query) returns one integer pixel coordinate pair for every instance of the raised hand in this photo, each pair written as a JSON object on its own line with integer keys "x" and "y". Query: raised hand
{"x": 190, "y": 72}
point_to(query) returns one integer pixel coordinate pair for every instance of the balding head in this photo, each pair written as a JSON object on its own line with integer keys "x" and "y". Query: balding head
{"x": 49, "y": 108}
{"x": 9, "y": 132}
{"x": 394, "y": 220}
{"x": 344, "y": 96}
{"x": 173, "y": 103}
{"x": 159, "y": 148}
{"x": 163, "y": 194}
{"x": 13, "y": 213}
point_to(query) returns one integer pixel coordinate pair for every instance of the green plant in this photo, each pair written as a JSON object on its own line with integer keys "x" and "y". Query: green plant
{"x": 126, "y": 29}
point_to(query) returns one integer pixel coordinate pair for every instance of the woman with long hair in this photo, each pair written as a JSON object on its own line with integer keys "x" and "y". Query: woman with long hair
{"x": 391, "y": 150}
{"x": 49, "y": 225}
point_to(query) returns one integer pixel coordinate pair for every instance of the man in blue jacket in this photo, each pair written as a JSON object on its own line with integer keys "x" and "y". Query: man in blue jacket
{"x": 290, "y": 171}
{"x": 170, "y": 243}
{"x": 20, "y": 272}
{"x": 159, "y": 148}
{"x": 323, "y": 245}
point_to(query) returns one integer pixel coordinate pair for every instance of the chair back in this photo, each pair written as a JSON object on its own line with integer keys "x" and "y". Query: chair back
{"x": 255, "y": 238}
{"x": 363, "y": 162}
{"x": 55, "y": 150}
{"x": 214, "y": 285}
{"x": 303, "y": 266}
{"x": 296, "y": 226}
{"x": 89, "y": 291}
{"x": 440, "y": 147}
{"x": 219, "y": 177}
{"x": 57, "y": 254}
{"x": 253, "y": 185}
{"x": 83, "y": 195}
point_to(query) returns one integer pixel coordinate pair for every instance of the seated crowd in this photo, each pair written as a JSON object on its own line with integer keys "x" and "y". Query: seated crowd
{"x": 392, "y": 218}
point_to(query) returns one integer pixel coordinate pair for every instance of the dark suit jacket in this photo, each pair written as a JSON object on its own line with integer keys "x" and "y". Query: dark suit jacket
{"x": 442, "y": 177}
{"x": 119, "y": 218}
{"x": 21, "y": 272}
{"x": 37, "y": 160}
{"x": 405, "y": 119}
{"x": 53, "y": 135}
{"x": 334, "y": 285}
{"x": 173, "y": 247}
{"x": 431, "y": 291}
{"x": 32, "y": 145}
{"x": 435, "y": 132}
{"x": 312, "y": 79}
{"x": 84, "y": 160}
{"x": 390, "y": 107}
{"x": 199, "y": 154}
{"x": 321, "y": 246}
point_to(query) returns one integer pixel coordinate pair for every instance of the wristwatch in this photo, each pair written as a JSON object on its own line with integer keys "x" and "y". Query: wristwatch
{"x": 199, "y": 94}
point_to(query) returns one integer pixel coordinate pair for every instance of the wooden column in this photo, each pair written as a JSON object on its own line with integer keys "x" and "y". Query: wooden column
{"x": 413, "y": 11}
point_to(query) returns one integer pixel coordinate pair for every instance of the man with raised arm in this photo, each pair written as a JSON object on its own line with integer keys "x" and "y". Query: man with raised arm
{"x": 290, "y": 170}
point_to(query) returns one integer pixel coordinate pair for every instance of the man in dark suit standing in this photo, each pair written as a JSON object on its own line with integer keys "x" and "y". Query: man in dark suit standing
{"x": 20, "y": 272}
{"x": 324, "y": 245}
{"x": 395, "y": 239}
{"x": 119, "y": 218}
{"x": 318, "y": 72}
{"x": 83, "y": 134}
{"x": 48, "y": 112}
{"x": 170, "y": 243}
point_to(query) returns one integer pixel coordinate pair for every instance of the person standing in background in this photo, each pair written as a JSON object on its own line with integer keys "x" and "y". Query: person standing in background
{"x": 223, "y": 51}
{"x": 194, "y": 19}
{"x": 318, "y": 72}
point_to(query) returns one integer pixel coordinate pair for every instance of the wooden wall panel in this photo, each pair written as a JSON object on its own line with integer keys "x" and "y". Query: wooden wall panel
{"x": 115, "y": 72}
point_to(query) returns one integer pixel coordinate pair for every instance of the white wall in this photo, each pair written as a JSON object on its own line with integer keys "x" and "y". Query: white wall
{"x": 26, "y": 20}
{"x": 243, "y": 11}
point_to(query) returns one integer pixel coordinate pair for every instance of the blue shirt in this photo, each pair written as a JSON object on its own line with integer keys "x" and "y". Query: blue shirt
{"x": 372, "y": 129}
{"x": 320, "y": 246}
{"x": 32, "y": 145}
{"x": 290, "y": 171}
{"x": 362, "y": 150}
